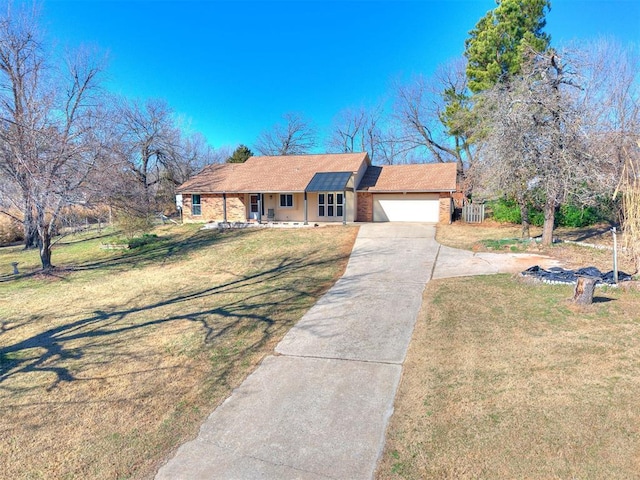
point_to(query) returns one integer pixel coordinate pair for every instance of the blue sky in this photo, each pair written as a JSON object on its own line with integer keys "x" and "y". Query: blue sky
{"x": 234, "y": 68}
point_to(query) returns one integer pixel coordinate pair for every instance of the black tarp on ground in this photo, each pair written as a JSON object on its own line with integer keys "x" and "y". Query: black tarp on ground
{"x": 560, "y": 275}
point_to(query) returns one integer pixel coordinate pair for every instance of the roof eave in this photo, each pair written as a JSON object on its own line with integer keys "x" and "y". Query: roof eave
{"x": 402, "y": 190}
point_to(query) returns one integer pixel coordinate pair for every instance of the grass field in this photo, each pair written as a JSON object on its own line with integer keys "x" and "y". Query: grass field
{"x": 523, "y": 384}
{"x": 115, "y": 359}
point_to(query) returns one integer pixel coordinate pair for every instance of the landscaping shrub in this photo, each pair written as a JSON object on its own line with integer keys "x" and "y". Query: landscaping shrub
{"x": 507, "y": 211}
{"x": 536, "y": 217}
{"x": 572, "y": 216}
{"x": 132, "y": 223}
{"x": 10, "y": 230}
{"x": 145, "y": 239}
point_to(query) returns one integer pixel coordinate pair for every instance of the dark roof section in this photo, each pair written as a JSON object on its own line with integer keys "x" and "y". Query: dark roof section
{"x": 329, "y": 182}
{"x": 370, "y": 177}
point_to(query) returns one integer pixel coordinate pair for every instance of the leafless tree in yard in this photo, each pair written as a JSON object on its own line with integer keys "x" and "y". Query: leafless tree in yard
{"x": 358, "y": 130}
{"x": 148, "y": 144}
{"x": 51, "y": 119}
{"x": 539, "y": 130}
{"x": 615, "y": 100}
{"x": 156, "y": 153}
{"x": 295, "y": 137}
{"x": 21, "y": 62}
{"x": 430, "y": 113}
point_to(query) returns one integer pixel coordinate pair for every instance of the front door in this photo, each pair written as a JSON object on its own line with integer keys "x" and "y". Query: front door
{"x": 254, "y": 206}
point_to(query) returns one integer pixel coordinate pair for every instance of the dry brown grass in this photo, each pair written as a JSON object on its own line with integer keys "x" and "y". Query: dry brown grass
{"x": 475, "y": 236}
{"x": 107, "y": 366}
{"x": 10, "y": 229}
{"x": 521, "y": 385}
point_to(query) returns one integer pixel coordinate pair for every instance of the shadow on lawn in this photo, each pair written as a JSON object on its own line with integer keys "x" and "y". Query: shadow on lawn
{"x": 602, "y": 299}
{"x": 166, "y": 248}
{"x": 584, "y": 234}
{"x": 260, "y": 294}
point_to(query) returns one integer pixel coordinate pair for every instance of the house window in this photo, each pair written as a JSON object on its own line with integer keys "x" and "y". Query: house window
{"x": 330, "y": 204}
{"x": 286, "y": 200}
{"x": 196, "y": 206}
{"x": 253, "y": 200}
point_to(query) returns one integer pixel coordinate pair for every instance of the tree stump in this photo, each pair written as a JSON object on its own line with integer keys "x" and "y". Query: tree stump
{"x": 583, "y": 293}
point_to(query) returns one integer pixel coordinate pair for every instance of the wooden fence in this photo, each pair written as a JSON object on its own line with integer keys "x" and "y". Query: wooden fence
{"x": 473, "y": 213}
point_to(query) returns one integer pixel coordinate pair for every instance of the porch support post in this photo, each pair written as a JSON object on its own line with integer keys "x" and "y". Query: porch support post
{"x": 224, "y": 207}
{"x": 344, "y": 208}
{"x": 260, "y": 201}
{"x": 305, "y": 208}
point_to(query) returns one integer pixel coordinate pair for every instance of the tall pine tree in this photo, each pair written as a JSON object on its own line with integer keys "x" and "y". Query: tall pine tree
{"x": 240, "y": 155}
{"x": 496, "y": 46}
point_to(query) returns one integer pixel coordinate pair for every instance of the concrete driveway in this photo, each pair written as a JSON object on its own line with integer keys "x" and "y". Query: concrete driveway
{"x": 318, "y": 408}
{"x": 452, "y": 262}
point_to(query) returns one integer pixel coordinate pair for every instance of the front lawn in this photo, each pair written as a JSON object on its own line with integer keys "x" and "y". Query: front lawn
{"x": 522, "y": 384}
{"x": 116, "y": 358}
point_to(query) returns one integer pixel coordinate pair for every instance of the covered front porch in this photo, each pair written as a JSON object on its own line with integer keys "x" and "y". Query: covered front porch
{"x": 327, "y": 198}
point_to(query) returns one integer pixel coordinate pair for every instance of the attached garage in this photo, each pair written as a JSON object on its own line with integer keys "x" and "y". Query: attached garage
{"x": 410, "y": 207}
{"x": 407, "y": 193}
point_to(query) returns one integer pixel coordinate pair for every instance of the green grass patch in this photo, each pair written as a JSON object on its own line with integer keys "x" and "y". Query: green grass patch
{"x": 509, "y": 244}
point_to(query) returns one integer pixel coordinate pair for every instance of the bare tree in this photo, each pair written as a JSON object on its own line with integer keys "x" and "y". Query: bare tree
{"x": 537, "y": 146}
{"x": 156, "y": 154}
{"x": 21, "y": 61}
{"x": 347, "y": 130}
{"x": 50, "y": 136}
{"x": 358, "y": 130}
{"x": 432, "y": 115}
{"x": 615, "y": 101}
{"x": 149, "y": 147}
{"x": 296, "y": 137}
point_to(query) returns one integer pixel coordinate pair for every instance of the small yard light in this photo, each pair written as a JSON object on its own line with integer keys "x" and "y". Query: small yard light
{"x": 15, "y": 268}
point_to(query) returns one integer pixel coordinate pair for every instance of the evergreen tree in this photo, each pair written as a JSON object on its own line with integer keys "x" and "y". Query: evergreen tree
{"x": 240, "y": 155}
{"x": 496, "y": 45}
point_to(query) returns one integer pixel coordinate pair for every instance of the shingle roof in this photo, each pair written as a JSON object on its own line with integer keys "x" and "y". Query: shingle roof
{"x": 422, "y": 177}
{"x": 212, "y": 179}
{"x": 270, "y": 174}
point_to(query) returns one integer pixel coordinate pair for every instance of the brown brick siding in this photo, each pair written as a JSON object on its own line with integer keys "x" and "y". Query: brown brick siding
{"x": 365, "y": 207}
{"x": 212, "y": 208}
{"x": 445, "y": 208}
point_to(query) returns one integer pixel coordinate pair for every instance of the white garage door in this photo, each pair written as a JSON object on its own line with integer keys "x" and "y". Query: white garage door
{"x": 412, "y": 207}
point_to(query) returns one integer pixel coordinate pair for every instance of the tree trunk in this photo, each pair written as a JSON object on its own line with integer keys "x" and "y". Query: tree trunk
{"x": 45, "y": 251}
{"x": 549, "y": 220}
{"x": 524, "y": 215}
{"x": 30, "y": 236}
{"x": 583, "y": 293}
{"x": 30, "y": 227}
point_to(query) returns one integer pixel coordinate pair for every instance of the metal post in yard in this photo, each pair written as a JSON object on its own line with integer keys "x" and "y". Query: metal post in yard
{"x": 615, "y": 256}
